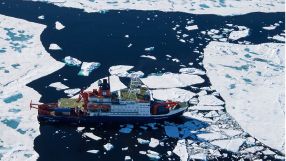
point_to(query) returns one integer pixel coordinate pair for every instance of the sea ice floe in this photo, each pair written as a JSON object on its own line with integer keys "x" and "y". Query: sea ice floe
{"x": 232, "y": 145}
{"x": 192, "y": 6}
{"x": 210, "y": 136}
{"x": 154, "y": 143}
{"x": 92, "y": 136}
{"x": 108, "y": 146}
{"x": 87, "y": 68}
{"x": 59, "y": 26}
{"x": 209, "y": 100}
{"x": 54, "y": 46}
{"x": 148, "y": 56}
{"x": 271, "y": 27}
{"x": 250, "y": 78}
{"x": 33, "y": 63}
{"x": 181, "y": 150}
{"x": 241, "y": 33}
{"x": 171, "y": 80}
{"x": 72, "y": 61}
{"x": 174, "y": 94}
{"x": 58, "y": 86}
{"x": 231, "y": 132}
{"x": 120, "y": 70}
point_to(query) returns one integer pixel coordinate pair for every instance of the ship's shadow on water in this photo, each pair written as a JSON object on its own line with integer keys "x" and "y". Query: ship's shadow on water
{"x": 68, "y": 143}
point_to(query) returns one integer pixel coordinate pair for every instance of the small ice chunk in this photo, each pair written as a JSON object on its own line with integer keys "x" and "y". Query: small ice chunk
{"x": 108, "y": 146}
{"x": 87, "y": 68}
{"x": 58, "y": 86}
{"x": 172, "y": 131}
{"x": 143, "y": 141}
{"x": 193, "y": 27}
{"x": 93, "y": 151}
{"x": 124, "y": 149}
{"x": 72, "y": 61}
{"x": 142, "y": 152}
{"x": 154, "y": 143}
{"x": 54, "y": 46}
{"x": 148, "y": 56}
{"x": 126, "y": 129}
{"x": 71, "y": 92}
{"x": 126, "y": 36}
{"x": 150, "y": 48}
{"x": 80, "y": 129}
{"x": 129, "y": 45}
{"x": 176, "y": 60}
{"x": 41, "y": 17}
{"x": 153, "y": 155}
{"x": 59, "y": 26}
{"x": 182, "y": 40}
{"x": 127, "y": 158}
{"x": 92, "y": 136}
{"x": 271, "y": 27}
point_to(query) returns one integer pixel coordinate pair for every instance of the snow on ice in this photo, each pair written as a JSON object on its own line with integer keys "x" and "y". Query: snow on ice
{"x": 251, "y": 84}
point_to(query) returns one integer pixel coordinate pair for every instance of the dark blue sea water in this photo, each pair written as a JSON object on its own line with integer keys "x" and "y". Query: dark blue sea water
{"x": 100, "y": 37}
